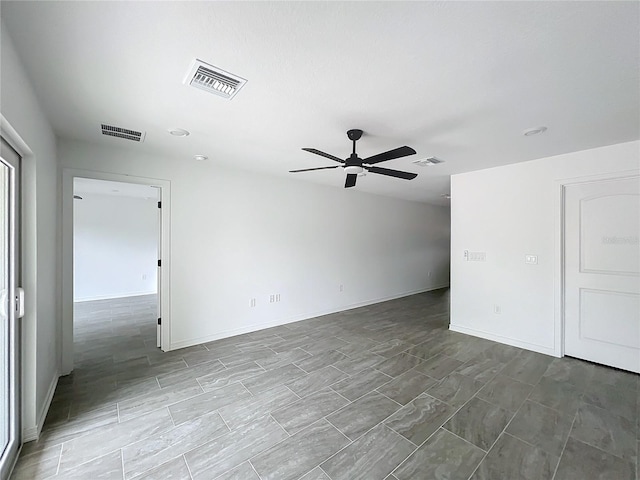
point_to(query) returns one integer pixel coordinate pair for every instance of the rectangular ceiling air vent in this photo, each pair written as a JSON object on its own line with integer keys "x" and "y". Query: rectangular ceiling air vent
{"x": 428, "y": 162}
{"x": 214, "y": 80}
{"x": 122, "y": 133}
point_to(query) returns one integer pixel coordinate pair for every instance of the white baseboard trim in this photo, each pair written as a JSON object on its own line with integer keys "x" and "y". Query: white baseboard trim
{"x": 514, "y": 342}
{"x": 295, "y": 318}
{"x": 33, "y": 432}
{"x": 112, "y": 296}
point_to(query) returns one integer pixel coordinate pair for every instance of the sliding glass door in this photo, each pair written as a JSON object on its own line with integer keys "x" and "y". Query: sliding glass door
{"x": 9, "y": 328}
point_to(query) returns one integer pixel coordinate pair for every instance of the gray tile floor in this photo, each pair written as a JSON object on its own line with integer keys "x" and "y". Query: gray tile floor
{"x": 379, "y": 392}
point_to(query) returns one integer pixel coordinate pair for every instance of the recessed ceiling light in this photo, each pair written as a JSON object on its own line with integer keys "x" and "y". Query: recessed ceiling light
{"x": 446, "y": 195}
{"x": 534, "y": 131}
{"x": 178, "y": 132}
{"x": 200, "y": 158}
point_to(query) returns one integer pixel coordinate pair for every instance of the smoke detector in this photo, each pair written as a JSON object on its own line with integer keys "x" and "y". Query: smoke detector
{"x": 428, "y": 162}
{"x": 213, "y": 79}
{"x": 120, "y": 132}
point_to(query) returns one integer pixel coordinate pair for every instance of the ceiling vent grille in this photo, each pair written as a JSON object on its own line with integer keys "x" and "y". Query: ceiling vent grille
{"x": 214, "y": 80}
{"x": 428, "y": 162}
{"x": 122, "y": 133}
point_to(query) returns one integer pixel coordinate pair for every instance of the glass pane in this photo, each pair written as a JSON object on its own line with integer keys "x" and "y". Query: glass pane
{"x": 5, "y": 419}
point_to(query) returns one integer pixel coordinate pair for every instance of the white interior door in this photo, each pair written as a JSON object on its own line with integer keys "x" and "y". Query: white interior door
{"x": 602, "y": 272}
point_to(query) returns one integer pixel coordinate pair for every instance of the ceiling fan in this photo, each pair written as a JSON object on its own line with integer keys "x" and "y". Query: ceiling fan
{"x": 355, "y": 165}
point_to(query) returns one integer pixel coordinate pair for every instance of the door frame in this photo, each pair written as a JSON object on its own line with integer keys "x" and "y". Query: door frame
{"x": 10, "y": 454}
{"x": 68, "y": 175}
{"x": 25, "y": 383}
{"x": 560, "y": 245}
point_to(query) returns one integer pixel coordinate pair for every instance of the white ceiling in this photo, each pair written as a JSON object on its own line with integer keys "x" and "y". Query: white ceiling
{"x": 89, "y": 186}
{"x": 458, "y": 80}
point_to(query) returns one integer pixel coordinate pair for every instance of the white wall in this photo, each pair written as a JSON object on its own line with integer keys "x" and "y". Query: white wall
{"x": 33, "y": 137}
{"x": 238, "y": 235}
{"x": 508, "y": 212}
{"x": 115, "y": 246}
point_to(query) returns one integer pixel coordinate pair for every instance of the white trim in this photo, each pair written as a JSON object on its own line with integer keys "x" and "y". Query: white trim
{"x": 68, "y": 174}
{"x": 113, "y": 296}
{"x": 33, "y": 433}
{"x": 559, "y": 272}
{"x": 506, "y": 340}
{"x": 14, "y": 139}
{"x": 295, "y": 318}
{"x": 15, "y": 460}
{"x": 27, "y": 399}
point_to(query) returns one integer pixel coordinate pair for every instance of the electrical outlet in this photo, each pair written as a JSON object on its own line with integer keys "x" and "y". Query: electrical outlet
{"x": 531, "y": 259}
{"x": 144, "y": 276}
{"x": 497, "y": 309}
{"x": 429, "y": 273}
{"x": 277, "y": 297}
{"x": 341, "y": 288}
{"x": 272, "y": 298}
{"x": 253, "y": 302}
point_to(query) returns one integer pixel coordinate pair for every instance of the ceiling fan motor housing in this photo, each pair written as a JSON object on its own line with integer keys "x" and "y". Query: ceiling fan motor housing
{"x": 353, "y": 161}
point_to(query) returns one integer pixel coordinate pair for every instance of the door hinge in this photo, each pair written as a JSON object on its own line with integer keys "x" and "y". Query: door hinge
{"x": 159, "y": 263}
{"x": 159, "y": 321}
{"x": 159, "y": 204}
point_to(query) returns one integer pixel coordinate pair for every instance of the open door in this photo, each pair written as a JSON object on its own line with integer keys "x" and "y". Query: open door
{"x": 159, "y": 276}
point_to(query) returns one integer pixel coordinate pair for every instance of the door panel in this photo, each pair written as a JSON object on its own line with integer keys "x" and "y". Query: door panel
{"x": 9, "y": 327}
{"x": 619, "y": 309}
{"x": 602, "y": 272}
{"x": 609, "y": 235}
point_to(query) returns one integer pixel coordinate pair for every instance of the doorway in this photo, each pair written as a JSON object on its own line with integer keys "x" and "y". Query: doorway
{"x": 105, "y": 283}
{"x": 602, "y": 272}
{"x": 115, "y": 235}
{"x": 10, "y": 307}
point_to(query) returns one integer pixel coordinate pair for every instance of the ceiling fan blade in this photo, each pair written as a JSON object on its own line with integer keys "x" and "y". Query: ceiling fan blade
{"x": 323, "y": 154}
{"x": 351, "y": 180}
{"x": 392, "y": 173}
{"x": 310, "y": 169}
{"x": 390, "y": 155}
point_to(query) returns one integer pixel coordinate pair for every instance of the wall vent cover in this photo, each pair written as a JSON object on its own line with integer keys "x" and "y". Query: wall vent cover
{"x": 428, "y": 162}
{"x": 214, "y": 80}
{"x": 122, "y": 133}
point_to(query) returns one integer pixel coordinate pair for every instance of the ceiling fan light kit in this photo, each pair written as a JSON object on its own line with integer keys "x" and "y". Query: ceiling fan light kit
{"x": 355, "y": 166}
{"x": 353, "y": 169}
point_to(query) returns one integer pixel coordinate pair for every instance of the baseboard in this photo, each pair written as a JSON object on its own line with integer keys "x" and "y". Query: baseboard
{"x": 295, "y": 318}
{"x": 112, "y": 296}
{"x": 506, "y": 340}
{"x": 33, "y": 433}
